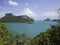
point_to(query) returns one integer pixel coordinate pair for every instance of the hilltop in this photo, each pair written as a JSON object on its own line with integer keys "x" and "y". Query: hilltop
{"x": 47, "y": 19}
{"x": 9, "y": 17}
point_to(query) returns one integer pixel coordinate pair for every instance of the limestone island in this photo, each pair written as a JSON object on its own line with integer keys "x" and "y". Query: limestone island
{"x": 9, "y": 17}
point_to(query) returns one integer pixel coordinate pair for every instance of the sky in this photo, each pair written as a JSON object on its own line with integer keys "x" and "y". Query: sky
{"x": 36, "y": 9}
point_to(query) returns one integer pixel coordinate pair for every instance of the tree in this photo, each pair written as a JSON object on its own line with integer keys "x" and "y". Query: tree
{"x": 50, "y": 37}
{"x": 6, "y": 37}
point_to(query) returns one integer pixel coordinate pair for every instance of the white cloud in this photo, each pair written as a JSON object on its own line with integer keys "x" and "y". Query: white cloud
{"x": 29, "y": 13}
{"x": 51, "y": 14}
{"x": 11, "y": 2}
{"x": 3, "y": 12}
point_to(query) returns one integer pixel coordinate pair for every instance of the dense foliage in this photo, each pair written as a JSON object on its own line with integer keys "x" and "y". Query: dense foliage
{"x": 23, "y": 39}
{"x": 6, "y": 37}
{"x": 50, "y": 37}
{"x": 9, "y": 17}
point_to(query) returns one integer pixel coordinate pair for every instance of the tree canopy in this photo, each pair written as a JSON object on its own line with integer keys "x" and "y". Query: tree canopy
{"x": 6, "y": 37}
{"x": 50, "y": 37}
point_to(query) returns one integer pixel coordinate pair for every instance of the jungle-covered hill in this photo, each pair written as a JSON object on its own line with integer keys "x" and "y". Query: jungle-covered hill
{"x": 9, "y": 17}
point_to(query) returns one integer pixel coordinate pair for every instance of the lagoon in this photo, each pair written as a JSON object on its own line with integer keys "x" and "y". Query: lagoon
{"x": 30, "y": 30}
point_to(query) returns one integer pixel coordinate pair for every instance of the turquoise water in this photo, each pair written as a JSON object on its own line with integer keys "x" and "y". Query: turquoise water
{"x": 29, "y": 29}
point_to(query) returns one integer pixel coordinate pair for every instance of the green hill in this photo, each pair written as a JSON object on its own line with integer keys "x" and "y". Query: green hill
{"x": 9, "y": 17}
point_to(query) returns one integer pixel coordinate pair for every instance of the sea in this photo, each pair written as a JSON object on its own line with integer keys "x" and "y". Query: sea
{"x": 31, "y": 30}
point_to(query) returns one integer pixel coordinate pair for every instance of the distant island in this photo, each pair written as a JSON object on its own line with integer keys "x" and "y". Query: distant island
{"x": 47, "y": 19}
{"x": 56, "y": 20}
{"x": 9, "y": 17}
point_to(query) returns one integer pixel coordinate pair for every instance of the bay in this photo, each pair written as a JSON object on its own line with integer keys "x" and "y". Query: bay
{"x": 30, "y": 30}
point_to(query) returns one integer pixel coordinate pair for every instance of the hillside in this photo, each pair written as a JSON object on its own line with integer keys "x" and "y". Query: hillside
{"x": 9, "y": 17}
{"x": 47, "y": 19}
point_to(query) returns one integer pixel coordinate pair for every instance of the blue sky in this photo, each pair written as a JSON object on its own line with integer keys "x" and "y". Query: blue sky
{"x": 36, "y": 9}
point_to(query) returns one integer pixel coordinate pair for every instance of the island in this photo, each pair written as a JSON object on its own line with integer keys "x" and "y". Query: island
{"x": 56, "y": 20}
{"x": 9, "y": 17}
{"x": 47, "y": 19}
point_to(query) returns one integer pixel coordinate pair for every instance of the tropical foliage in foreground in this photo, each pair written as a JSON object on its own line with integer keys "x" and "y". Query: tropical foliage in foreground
{"x": 23, "y": 39}
{"x": 6, "y": 37}
{"x": 50, "y": 37}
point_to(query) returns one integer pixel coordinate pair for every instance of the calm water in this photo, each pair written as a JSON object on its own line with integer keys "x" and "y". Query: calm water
{"x": 30, "y": 29}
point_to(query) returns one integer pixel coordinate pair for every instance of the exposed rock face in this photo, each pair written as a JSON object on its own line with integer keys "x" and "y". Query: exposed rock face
{"x": 9, "y": 17}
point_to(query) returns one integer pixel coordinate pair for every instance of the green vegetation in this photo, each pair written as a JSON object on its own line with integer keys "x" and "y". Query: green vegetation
{"x": 6, "y": 37}
{"x": 22, "y": 39}
{"x": 50, "y": 37}
{"x": 9, "y": 17}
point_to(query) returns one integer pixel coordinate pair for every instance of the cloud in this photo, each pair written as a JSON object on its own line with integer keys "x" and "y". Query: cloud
{"x": 11, "y": 2}
{"x": 29, "y": 13}
{"x": 3, "y": 12}
{"x": 51, "y": 14}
